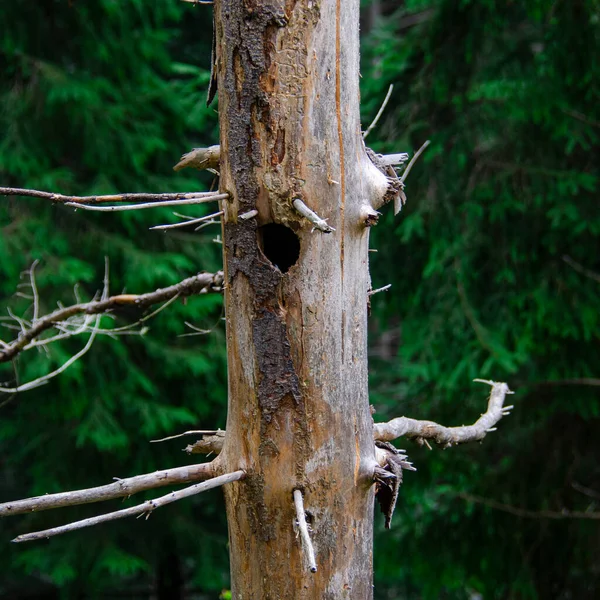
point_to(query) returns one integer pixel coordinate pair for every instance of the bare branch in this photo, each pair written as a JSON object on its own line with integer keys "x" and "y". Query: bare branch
{"x": 580, "y": 381}
{"x": 586, "y": 490}
{"x": 144, "y": 508}
{"x": 200, "y": 158}
{"x": 380, "y": 112}
{"x": 413, "y": 160}
{"x": 45, "y": 378}
{"x": 191, "y": 432}
{"x": 312, "y": 216}
{"x": 201, "y": 283}
{"x": 304, "y": 535}
{"x": 198, "y": 199}
{"x": 189, "y": 221}
{"x": 209, "y": 444}
{"x": 389, "y": 160}
{"x": 449, "y": 436}
{"x": 61, "y": 199}
{"x": 526, "y": 513}
{"x": 581, "y": 269}
{"x": 385, "y": 288}
{"x": 119, "y": 489}
{"x": 34, "y": 291}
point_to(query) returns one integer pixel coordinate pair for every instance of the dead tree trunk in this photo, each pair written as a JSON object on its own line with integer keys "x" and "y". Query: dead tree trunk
{"x": 298, "y": 195}
{"x": 296, "y": 296}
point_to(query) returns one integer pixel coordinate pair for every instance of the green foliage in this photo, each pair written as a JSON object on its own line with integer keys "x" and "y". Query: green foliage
{"x": 507, "y": 92}
{"x": 104, "y": 97}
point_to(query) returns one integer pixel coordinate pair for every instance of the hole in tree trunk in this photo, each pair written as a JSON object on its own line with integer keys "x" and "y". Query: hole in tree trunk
{"x": 280, "y": 245}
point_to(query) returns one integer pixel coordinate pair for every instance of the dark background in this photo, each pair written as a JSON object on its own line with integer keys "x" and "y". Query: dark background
{"x": 494, "y": 265}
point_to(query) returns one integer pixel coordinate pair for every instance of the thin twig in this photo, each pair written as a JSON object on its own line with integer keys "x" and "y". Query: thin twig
{"x": 45, "y": 378}
{"x": 586, "y": 490}
{"x": 581, "y": 269}
{"x": 196, "y": 200}
{"x": 34, "y": 290}
{"x": 144, "y": 508}
{"x": 413, "y": 160}
{"x": 304, "y": 535}
{"x": 191, "y": 432}
{"x": 62, "y": 199}
{"x": 189, "y": 222}
{"x": 119, "y": 489}
{"x": 201, "y": 283}
{"x": 449, "y": 436}
{"x": 385, "y": 288}
{"x": 526, "y": 513}
{"x": 378, "y": 115}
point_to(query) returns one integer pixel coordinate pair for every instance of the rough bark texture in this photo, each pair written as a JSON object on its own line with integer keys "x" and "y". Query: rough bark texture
{"x": 299, "y": 414}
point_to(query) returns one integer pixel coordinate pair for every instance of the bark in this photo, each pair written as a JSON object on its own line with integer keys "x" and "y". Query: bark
{"x": 296, "y": 298}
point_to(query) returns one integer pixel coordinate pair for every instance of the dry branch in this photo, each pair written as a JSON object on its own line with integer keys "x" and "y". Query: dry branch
{"x": 197, "y": 199}
{"x": 527, "y": 513}
{"x": 209, "y": 444}
{"x": 189, "y": 221}
{"x": 118, "y": 489}
{"x": 448, "y": 436}
{"x": 61, "y": 199}
{"x": 201, "y": 283}
{"x": 144, "y": 508}
{"x": 200, "y": 158}
{"x": 312, "y": 216}
{"x": 304, "y": 535}
{"x": 379, "y": 112}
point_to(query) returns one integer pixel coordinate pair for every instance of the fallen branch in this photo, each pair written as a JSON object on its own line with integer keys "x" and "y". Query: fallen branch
{"x": 449, "y": 436}
{"x": 201, "y": 283}
{"x": 144, "y": 508}
{"x": 304, "y": 535}
{"x": 62, "y": 199}
{"x": 119, "y": 489}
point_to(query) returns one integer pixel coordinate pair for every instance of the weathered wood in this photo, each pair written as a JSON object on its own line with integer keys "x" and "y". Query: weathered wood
{"x": 298, "y": 415}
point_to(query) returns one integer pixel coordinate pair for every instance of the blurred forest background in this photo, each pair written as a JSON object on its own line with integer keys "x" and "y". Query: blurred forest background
{"x": 494, "y": 265}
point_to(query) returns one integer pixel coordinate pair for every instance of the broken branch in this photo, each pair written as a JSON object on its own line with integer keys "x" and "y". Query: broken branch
{"x": 304, "y": 535}
{"x": 144, "y": 508}
{"x": 118, "y": 489}
{"x": 200, "y": 158}
{"x": 312, "y": 216}
{"x": 448, "y": 436}
{"x": 209, "y": 444}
